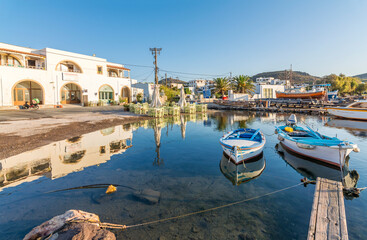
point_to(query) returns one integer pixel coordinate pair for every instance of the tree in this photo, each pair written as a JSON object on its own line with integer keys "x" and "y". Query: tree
{"x": 221, "y": 85}
{"x": 244, "y": 84}
{"x": 345, "y": 85}
{"x": 361, "y": 88}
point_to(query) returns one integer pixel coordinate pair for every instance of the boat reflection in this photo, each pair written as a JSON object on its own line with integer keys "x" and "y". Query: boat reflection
{"x": 357, "y": 128}
{"x": 242, "y": 173}
{"x": 311, "y": 170}
{"x": 60, "y": 158}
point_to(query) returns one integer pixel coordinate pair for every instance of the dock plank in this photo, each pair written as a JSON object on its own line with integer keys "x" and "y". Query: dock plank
{"x": 328, "y": 219}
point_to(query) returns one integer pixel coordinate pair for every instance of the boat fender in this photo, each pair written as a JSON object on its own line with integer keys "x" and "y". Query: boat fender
{"x": 356, "y": 149}
{"x": 288, "y": 129}
{"x": 280, "y": 138}
{"x": 276, "y": 131}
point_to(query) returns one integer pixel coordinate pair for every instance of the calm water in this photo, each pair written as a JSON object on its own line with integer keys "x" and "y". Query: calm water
{"x": 182, "y": 159}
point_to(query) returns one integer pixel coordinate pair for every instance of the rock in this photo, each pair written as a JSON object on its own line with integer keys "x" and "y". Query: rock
{"x": 246, "y": 236}
{"x": 79, "y": 231}
{"x": 194, "y": 229}
{"x": 161, "y": 238}
{"x": 58, "y": 222}
{"x": 148, "y": 195}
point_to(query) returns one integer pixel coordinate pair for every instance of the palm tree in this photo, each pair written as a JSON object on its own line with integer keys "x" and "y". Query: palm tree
{"x": 244, "y": 84}
{"x": 221, "y": 85}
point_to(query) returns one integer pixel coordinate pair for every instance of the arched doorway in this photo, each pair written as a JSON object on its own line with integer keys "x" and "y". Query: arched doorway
{"x": 106, "y": 93}
{"x": 125, "y": 94}
{"x": 27, "y": 90}
{"x": 70, "y": 93}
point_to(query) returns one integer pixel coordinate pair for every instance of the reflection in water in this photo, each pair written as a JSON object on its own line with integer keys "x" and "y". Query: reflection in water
{"x": 183, "y": 127}
{"x": 63, "y": 157}
{"x": 241, "y": 173}
{"x": 311, "y": 170}
{"x": 157, "y": 137}
{"x": 357, "y": 128}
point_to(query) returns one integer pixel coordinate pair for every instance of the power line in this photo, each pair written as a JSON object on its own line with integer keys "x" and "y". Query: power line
{"x": 134, "y": 65}
{"x": 198, "y": 74}
{"x": 186, "y": 73}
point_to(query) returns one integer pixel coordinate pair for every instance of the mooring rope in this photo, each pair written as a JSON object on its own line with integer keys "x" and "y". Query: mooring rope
{"x": 123, "y": 227}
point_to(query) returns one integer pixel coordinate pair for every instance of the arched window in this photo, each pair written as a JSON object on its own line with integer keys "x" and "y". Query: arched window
{"x": 105, "y": 93}
{"x": 68, "y": 66}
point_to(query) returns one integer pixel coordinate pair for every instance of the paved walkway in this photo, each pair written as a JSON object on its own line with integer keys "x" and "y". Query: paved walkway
{"x": 16, "y": 114}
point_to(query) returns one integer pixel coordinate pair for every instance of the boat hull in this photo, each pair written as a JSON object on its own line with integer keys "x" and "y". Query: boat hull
{"x": 241, "y": 155}
{"x": 324, "y": 154}
{"x": 306, "y": 95}
{"x": 349, "y": 113}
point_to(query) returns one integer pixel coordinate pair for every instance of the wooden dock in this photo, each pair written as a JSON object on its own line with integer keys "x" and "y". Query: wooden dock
{"x": 328, "y": 219}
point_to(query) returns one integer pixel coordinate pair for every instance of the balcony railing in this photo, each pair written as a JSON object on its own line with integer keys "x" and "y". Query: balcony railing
{"x": 20, "y": 66}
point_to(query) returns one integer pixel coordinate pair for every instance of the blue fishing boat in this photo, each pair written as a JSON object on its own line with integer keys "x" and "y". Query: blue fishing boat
{"x": 310, "y": 143}
{"x": 243, "y": 144}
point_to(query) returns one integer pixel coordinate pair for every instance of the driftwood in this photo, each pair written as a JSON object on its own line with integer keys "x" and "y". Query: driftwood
{"x": 56, "y": 223}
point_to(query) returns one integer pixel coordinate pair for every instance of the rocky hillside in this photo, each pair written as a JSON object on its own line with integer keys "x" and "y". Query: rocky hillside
{"x": 297, "y": 76}
{"x": 361, "y": 76}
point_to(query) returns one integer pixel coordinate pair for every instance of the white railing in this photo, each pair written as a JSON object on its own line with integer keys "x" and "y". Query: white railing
{"x": 20, "y": 66}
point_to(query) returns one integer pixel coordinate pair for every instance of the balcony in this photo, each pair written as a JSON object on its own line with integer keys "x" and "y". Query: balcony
{"x": 20, "y": 66}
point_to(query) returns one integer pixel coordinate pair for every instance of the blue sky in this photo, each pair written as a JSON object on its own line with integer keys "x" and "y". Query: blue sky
{"x": 208, "y": 37}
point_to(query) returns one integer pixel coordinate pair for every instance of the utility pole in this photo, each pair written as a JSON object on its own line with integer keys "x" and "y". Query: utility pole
{"x": 154, "y": 53}
{"x": 291, "y": 73}
{"x": 166, "y": 79}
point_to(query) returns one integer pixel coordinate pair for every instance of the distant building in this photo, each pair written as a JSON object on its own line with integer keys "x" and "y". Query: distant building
{"x": 198, "y": 83}
{"x": 267, "y": 90}
{"x": 273, "y": 81}
{"x": 147, "y": 88}
{"x": 172, "y": 82}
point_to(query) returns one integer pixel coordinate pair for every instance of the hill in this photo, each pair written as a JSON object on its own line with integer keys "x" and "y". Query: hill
{"x": 297, "y": 76}
{"x": 361, "y": 76}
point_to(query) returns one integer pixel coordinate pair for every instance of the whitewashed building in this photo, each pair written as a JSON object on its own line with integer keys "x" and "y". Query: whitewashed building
{"x": 148, "y": 89}
{"x": 59, "y": 77}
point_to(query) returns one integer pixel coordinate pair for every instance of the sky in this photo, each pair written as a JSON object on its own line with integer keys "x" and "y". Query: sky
{"x": 199, "y": 38}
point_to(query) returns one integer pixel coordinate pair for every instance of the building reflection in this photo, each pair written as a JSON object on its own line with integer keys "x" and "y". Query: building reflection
{"x": 311, "y": 170}
{"x": 71, "y": 155}
{"x": 242, "y": 173}
{"x": 63, "y": 157}
{"x": 355, "y": 127}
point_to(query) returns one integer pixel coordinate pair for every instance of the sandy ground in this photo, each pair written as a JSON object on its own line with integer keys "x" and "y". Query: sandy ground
{"x": 25, "y": 130}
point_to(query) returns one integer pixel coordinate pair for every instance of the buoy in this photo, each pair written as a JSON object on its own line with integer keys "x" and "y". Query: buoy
{"x": 111, "y": 189}
{"x": 288, "y": 129}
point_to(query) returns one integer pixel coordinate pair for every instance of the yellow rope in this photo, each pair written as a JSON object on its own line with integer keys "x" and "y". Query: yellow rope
{"x": 123, "y": 227}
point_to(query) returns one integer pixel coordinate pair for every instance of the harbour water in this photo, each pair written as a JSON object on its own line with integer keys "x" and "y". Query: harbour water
{"x": 181, "y": 158}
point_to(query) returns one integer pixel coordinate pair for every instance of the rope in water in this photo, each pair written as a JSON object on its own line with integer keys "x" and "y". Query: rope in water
{"x": 123, "y": 227}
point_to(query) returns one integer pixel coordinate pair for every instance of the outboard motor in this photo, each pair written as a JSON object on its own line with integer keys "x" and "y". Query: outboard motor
{"x": 292, "y": 120}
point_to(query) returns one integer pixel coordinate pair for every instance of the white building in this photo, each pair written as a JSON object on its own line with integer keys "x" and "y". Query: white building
{"x": 272, "y": 81}
{"x": 59, "y": 77}
{"x": 267, "y": 90}
{"x": 148, "y": 89}
{"x": 198, "y": 83}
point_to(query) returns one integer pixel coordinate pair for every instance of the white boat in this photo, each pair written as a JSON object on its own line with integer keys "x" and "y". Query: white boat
{"x": 309, "y": 143}
{"x": 311, "y": 169}
{"x": 241, "y": 173}
{"x": 243, "y": 144}
{"x": 356, "y": 110}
